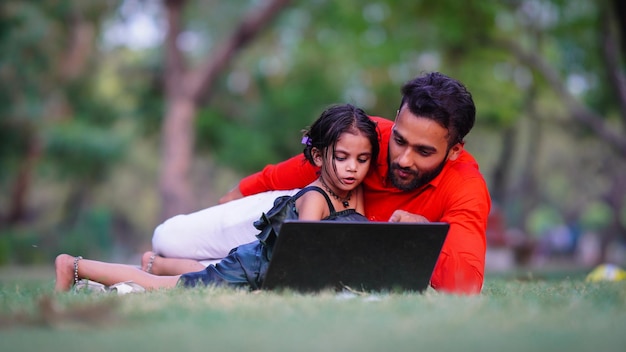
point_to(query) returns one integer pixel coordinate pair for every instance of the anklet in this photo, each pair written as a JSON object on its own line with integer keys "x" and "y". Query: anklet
{"x": 150, "y": 262}
{"x": 76, "y": 259}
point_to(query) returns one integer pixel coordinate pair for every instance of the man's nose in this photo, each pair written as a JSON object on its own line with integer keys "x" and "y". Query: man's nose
{"x": 404, "y": 158}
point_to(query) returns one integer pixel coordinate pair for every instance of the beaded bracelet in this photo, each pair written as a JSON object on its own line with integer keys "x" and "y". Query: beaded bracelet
{"x": 76, "y": 259}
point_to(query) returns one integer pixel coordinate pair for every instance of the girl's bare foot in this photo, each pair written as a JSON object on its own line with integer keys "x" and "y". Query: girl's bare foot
{"x": 64, "y": 269}
{"x": 147, "y": 262}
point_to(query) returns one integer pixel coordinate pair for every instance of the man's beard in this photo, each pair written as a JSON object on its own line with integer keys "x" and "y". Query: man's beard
{"x": 419, "y": 178}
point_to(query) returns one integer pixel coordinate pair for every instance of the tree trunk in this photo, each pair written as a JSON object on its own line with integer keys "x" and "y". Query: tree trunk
{"x": 177, "y": 152}
{"x": 616, "y": 230}
{"x": 501, "y": 170}
{"x": 21, "y": 186}
{"x": 185, "y": 89}
{"x": 73, "y": 61}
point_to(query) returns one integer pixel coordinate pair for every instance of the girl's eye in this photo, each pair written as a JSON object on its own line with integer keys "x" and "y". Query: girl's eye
{"x": 339, "y": 158}
{"x": 363, "y": 160}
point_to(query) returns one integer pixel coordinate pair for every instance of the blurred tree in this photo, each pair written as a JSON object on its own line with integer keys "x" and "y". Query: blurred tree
{"x": 47, "y": 106}
{"x": 186, "y": 88}
{"x": 573, "y": 51}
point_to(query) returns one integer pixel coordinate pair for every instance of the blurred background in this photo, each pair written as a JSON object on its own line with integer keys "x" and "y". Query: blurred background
{"x": 115, "y": 115}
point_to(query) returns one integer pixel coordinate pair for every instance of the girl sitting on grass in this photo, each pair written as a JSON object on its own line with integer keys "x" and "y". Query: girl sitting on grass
{"x": 342, "y": 142}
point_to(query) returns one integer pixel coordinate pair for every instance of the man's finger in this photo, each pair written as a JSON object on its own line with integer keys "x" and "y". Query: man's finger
{"x": 395, "y": 217}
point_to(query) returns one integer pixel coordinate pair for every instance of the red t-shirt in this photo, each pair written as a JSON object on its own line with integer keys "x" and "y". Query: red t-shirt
{"x": 458, "y": 196}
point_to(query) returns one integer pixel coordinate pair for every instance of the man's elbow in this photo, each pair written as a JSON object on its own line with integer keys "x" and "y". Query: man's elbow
{"x": 459, "y": 279}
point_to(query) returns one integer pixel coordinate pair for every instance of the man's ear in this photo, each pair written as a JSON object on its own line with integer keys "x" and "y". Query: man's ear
{"x": 456, "y": 150}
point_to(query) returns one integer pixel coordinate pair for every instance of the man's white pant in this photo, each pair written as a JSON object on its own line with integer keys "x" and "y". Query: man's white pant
{"x": 208, "y": 235}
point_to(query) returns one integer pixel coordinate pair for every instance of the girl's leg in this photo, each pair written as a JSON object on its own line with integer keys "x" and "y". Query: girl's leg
{"x": 157, "y": 265}
{"x": 105, "y": 273}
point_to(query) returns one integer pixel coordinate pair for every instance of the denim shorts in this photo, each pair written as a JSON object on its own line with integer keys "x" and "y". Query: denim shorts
{"x": 245, "y": 265}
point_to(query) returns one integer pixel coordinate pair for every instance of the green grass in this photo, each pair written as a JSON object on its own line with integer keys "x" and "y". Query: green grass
{"x": 529, "y": 314}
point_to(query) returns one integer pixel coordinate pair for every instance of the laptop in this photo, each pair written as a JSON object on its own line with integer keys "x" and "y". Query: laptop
{"x": 311, "y": 256}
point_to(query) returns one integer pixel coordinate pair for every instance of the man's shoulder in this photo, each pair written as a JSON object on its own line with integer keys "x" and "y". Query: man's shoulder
{"x": 382, "y": 122}
{"x": 465, "y": 167}
{"x": 380, "y": 118}
{"x": 384, "y": 127}
{"x": 463, "y": 183}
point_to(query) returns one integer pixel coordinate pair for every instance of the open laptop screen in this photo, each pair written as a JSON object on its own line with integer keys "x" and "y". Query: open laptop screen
{"x": 362, "y": 256}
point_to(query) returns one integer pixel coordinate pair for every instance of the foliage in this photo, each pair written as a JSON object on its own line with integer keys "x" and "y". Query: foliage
{"x": 55, "y": 125}
{"x": 50, "y": 111}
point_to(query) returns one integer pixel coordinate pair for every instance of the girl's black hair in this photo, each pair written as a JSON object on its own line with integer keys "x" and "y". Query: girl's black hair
{"x": 334, "y": 121}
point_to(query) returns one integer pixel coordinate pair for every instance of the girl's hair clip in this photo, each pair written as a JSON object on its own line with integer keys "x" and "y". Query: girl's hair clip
{"x": 306, "y": 140}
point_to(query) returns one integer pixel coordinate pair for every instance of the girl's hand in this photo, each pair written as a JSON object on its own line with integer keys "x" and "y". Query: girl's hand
{"x": 405, "y": 216}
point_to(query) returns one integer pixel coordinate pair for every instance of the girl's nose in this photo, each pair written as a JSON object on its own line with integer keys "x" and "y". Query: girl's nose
{"x": 351, "y": 166}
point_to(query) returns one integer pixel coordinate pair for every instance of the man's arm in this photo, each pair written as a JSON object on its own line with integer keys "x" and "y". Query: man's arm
{"x": 292, "y": 173}
{"x": 461, "y": 264}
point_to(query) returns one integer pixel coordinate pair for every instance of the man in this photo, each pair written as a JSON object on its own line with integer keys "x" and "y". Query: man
{"x": 423, "y": 174}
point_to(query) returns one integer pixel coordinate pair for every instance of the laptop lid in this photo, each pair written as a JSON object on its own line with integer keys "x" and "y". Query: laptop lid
{"x": 362, "y": 256}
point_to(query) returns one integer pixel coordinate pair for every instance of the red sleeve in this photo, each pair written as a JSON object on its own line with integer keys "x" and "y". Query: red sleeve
{"x": 295, "y": 172}
{"x": 461, "y": 265}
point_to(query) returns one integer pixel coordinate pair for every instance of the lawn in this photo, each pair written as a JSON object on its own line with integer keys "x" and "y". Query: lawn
{"x": 527, "y": 313}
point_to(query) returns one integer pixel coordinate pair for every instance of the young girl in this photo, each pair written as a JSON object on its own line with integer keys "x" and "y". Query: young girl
{"x": 342, "y": 142}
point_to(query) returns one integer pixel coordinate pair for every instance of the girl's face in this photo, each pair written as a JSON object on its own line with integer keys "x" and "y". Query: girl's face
{"x": 351, "y": 159}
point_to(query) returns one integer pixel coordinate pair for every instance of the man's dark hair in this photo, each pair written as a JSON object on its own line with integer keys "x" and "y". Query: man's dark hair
{"x": 443, "y": 99}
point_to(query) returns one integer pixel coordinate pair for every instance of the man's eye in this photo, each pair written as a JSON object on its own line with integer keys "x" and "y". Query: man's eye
{"x": 399, "y": 141}
{"x": 424, "y": 152}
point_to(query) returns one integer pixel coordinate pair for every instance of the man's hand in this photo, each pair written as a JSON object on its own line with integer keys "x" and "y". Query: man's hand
{"x": 233, "y": 194}
{"x": 405, "y": 216}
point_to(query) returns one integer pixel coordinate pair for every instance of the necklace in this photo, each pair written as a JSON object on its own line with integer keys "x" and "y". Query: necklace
{"x": 345, "y": 201}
